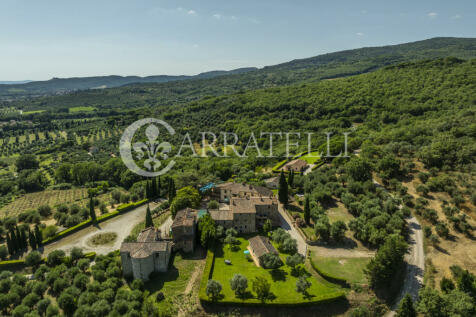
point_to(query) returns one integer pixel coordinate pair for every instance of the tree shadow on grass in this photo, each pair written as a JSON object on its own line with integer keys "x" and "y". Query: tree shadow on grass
{"x": 158, "y": 279}
{"x": 308, "y": 296}
{"x": 246, "y": 295}
{"x": 278, "y": 275}
{"x": 294, "y": 208}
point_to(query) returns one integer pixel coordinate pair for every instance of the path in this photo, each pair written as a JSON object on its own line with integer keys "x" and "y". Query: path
{"x": 309, "y": 169}
{"x": 340, "y": 252}
{"x": 121, "y": 225}
{"x": 287, "y": 224}
{"x": 415, "y": 262}
{"x": 415, "y": 259}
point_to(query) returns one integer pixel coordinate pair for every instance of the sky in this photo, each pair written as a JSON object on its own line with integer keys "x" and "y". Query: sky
{"x": 44, "y": 39}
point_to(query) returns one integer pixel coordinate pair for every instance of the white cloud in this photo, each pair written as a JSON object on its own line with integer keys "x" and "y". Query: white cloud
{"x": 359, "y": 34}
{"x": 432, "y": 15}
{"x": 456, "y": 17}
{"x": 191, "y": 12}
{"x": 217, "y": 16}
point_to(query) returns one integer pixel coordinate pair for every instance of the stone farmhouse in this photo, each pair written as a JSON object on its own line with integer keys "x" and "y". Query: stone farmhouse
{"x": 149, "y": 254}
{"x": 259, "y": 246}
{"x": 296, "y": 165}
{"x": 183, "y": 230}
{"x": 249, "y": 207}
{"x": 224, "y": 192}
{"x": 272, "y": 182}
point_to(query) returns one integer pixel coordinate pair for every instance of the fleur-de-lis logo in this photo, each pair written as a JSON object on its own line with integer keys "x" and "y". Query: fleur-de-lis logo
{"x": 152, "y": 150}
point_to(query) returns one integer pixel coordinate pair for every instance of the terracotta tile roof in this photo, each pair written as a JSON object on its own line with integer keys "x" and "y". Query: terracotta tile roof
{"x": 221, "y": 215}
{"x": 237, "y": 188}
{"x": 260, "y": 245}
{"x": 252, "y": 204}
{"x": 148, "y": 235}
{"x": 139, "y": 250}
{"x": 184, "y": 217}
{"x": 296, "y": 165}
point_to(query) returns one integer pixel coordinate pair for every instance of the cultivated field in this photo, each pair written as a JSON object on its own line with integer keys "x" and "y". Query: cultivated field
{"x": 47, "y": 197}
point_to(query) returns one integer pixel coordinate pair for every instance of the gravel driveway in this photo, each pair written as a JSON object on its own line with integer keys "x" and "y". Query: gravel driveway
{"x": 121, "y": 225}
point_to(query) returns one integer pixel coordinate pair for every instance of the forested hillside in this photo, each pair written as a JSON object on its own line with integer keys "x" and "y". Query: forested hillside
{"x": 327, "y": 66}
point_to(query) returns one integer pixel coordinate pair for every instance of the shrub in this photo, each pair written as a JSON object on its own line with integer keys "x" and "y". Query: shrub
{"x": 33, "y": 258}
{"x": 239, "y": 284}
{"x": 270, "y": 261}
{"x": 213, "y": 204}
{"x": 55, "y": 257}
{"x": 213, "y": 289}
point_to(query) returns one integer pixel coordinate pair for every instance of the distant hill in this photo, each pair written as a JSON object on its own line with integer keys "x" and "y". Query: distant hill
{"x": 15, "y": 82}
{"x": 322, "y": 67}
{"x": 57, "y": 86}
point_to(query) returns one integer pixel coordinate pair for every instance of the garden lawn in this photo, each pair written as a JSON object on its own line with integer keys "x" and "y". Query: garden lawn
{"x": 173, "y": 282}
{"x": 311, "y": 158}
{"x": 350, "y": 269}
{"x": 283, "y": 284}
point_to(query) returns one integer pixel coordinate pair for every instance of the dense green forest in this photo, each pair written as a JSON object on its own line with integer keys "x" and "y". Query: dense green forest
{"x": 327, "y": 66}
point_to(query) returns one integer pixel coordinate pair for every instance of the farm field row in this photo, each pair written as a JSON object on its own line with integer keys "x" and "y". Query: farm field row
{"x": 47, "y": 197}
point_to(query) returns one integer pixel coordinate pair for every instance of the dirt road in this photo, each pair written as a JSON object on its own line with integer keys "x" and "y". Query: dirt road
{"x": 287, "y": 224}
{"x": 415, "y": 259}
{"x": 121, "y": 225}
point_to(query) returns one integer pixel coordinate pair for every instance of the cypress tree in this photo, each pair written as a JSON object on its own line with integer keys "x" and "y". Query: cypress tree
{"x": 147, "y": 190}
{"x": 291, "y": 178}
{"x": 32, "y": 240}
{"x": 148, "y": 218}
{"x": 92, "y": 213}
{"x": 172, "y": 191}
{"x": 307, "y": 211}
{"x": 406, "y": 308}
{"x": 23, "y": 240}
{"x": 158, "y": 187}
{"x": 10, "y": 247}
{"x": 154, "y": 187}
{"x": 14, "y": 241}
{"x": 38, "y": 236}
{"x": 283, "y": 189}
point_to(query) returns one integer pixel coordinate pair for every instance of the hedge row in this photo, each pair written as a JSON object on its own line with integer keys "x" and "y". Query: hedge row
{"x": 278, "y": 166}
{"x": 238, "y": 302}
{"x": 333, "y": 279}
{"x": 20, "y": 263}
{"x": 129, "y": 206}
{"x": 207, "y": 274}
{"x": 120, "y": 209}
{"x": 68, "y": 231}
{"x": 11, "y": 263}
{"x": 317, "y": 165}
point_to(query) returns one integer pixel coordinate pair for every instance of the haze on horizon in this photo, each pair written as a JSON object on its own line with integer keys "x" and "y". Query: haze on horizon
{"x": 77, "y": 39}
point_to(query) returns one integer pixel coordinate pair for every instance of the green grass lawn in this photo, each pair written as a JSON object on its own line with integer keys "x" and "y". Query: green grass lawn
{"x": 33, "y": 112}
{"x": 351, "y": 269}
{"x": 283, "y": 284}
{"x": 81, "y": 109}
{"x": 310, "y": 157}
{"x": 339, "y": 213}
{"x": 173, "y": 282}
